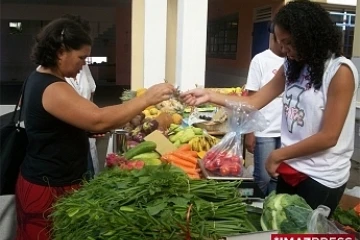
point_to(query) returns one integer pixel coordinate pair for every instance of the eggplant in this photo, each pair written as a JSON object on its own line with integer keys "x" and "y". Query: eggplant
{"x": 149, "y": 127}
{"x": 142, "y": 116}
{"x": 139, "y": 137}
{"x": 136, "y": 121}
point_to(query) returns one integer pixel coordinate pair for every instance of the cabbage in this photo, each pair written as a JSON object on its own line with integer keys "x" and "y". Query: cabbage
{"x": 285, "y": 213}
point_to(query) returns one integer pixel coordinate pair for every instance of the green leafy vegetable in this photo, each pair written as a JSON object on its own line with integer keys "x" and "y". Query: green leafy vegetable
{"x": 285, "y": 213}
{"x": 347, "y": 218}
{"x": 156, "y": 202}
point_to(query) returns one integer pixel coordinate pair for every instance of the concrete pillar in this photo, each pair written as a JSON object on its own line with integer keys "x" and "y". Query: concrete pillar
{"x": 191, "y": 43}
{"x": 149, "y": 19}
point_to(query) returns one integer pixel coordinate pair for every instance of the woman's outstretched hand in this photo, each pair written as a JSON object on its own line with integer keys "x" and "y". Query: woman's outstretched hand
{"x": 158, "y": 93}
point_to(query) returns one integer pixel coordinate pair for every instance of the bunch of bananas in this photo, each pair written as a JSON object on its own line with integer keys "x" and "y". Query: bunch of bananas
{"x": 203, "y": 143}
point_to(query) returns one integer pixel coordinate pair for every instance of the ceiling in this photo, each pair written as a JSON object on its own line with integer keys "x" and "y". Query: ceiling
{"x": 89, "y": 3}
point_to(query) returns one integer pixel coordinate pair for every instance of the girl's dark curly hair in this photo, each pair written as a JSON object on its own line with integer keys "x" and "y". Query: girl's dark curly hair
{"x": 314, "y": 36}
{"x": 59, "y": 33}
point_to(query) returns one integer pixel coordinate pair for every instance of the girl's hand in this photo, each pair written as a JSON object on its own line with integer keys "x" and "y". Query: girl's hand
{"x": 195, "y": 97}
{"x": 272, "y": 164}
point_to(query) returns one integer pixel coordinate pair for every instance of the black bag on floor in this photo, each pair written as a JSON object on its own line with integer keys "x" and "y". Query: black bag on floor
{"x": 13, "y": 144}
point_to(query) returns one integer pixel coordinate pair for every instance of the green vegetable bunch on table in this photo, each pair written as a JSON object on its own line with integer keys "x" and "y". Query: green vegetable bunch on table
{"x": 156, "y": 202}
{"x": 285, "y": 213}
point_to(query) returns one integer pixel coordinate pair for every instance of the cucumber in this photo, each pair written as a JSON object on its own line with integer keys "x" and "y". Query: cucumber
{"x": 147, "y": 155}
{"x": 144, "y": 147}
{"x": 152, "y": 162}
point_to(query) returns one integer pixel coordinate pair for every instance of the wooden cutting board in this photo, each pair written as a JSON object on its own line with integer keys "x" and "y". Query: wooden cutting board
{"x": 163, "y": 145}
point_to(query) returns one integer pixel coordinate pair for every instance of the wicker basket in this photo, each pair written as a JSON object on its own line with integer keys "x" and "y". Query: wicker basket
{"x": 213, "y": 126}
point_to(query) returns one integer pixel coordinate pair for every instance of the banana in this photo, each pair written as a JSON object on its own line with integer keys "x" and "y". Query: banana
{"x": 192, "y": 144}
{"x": 198, "y": 144}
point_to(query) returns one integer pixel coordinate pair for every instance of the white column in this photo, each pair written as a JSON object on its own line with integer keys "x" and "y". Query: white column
{"x": 191, "y": 43}
{"x": 155, "y": 42}
{"x": 171, "y": 31}
{"x": 137, "y": 44}
{"x": 356, "y": 42}
{"x": 148, "y": 42}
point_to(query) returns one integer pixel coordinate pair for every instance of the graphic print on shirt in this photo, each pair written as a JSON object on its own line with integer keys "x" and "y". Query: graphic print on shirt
{"x": 294, "y": 114}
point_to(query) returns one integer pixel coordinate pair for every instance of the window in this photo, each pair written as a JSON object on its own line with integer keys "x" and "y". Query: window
{"x": 222, "y": 37}
{"x": 346, "y": 22}
{"x": 15, "y": 27}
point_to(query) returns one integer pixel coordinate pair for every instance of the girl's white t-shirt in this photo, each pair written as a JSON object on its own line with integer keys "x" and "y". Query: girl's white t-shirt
{"x": 303, "y": 113}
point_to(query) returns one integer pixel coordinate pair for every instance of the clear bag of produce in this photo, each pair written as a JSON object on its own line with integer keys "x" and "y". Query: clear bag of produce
{"x": 225, "y": 158}
{"x": 318, "y": 222}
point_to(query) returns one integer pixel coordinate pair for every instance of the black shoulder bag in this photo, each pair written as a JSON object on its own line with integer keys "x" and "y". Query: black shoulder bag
{"x": 13, "y": 144}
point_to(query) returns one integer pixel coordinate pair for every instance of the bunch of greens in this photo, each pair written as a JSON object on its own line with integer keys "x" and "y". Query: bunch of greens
{"x": 285, "y": 213}
{"x": 156, "y": 202}
{"x": 348, "y": 218}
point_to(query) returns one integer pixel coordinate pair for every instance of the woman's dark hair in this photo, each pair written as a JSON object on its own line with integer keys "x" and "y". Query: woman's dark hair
{"x": 59, "y": 33}
{"x": 84, "y": 23}
{"x": 314, "y": 36}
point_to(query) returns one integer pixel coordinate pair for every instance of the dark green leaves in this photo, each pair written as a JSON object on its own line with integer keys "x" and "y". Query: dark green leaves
{"x": 156, "y": 202}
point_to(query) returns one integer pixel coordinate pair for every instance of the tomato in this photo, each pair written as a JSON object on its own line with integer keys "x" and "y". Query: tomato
{"x": 139, "y": 164}
{"x": 211, "y": 154}
{"x": 225, "y": 170}
{"x": 211, "y": 166}
{"x": 235, "y": 169}
{"x": 222, "y": 155}
{"x": 235, "y": 159}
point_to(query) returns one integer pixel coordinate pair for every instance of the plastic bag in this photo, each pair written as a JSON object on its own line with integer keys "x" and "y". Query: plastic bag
{"x": 225, "y": 158}
{"x": 318, "y": 222}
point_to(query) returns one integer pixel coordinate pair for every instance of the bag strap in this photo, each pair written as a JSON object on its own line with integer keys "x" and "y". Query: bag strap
{"x": 21, "y": 103}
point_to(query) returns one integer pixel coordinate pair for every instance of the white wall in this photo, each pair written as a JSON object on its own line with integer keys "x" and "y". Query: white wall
{"x": 342, "y": 2}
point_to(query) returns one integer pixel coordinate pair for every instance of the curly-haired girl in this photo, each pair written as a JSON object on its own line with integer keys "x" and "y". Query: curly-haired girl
{"x": 318, "y": 118}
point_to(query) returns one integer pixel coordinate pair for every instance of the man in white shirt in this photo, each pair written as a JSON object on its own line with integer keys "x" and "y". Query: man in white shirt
{"x": 262, "y": 69}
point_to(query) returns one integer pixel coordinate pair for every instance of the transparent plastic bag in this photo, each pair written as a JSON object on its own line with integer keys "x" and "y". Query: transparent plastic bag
{"x": 318, "y": 222}
{"x": 225, "y": 158}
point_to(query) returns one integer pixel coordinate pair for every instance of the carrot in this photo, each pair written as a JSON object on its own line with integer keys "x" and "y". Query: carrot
{"x": 190, "y": 153}
{"x": 348, "y": 228}
{"x": 181, "y": 162}
{"x": 165, "y": 157}
{"x": 194, "y": 176}
{"x": 185, "y": 147}
{"x": 185, "y": 157}
{"x": 357, "y": 209}
{"x": 187, "y": 170}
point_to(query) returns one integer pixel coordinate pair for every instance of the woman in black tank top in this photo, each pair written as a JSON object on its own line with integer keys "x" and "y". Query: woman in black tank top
{"x": 56, "y": 121}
